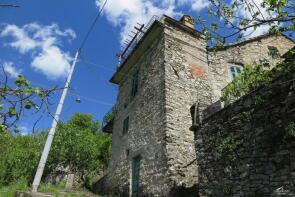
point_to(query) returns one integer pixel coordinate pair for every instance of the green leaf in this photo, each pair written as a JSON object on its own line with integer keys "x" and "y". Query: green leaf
{"x": 12, "y": 112}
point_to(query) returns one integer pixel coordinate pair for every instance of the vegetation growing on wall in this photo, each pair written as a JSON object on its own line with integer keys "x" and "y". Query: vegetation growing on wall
{"x": 251, "y": 78}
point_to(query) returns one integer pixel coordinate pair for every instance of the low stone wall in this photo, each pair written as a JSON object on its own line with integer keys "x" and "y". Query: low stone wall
{"x": 248, "y": 148}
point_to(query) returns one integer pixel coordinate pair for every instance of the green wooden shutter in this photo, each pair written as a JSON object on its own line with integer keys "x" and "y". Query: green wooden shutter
{"x": 135, "y": 176}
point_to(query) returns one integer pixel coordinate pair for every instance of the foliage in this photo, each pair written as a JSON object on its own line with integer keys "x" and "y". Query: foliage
{"x": 52, "y": 188}
{"x": 55, "y": 189}
{"x": 109, "y": 116}
{"x": 227, "y": 149}
{"x": 250, "y": 79}
{"x": 78, "y": 144}
{"x": 19, "y": 156}
{"x": 290, "y": 130}
{"x": 10, "y": 190}
{"x": 19, "y": 97}
{"x": 227, "y": 189}
{"x": 241, "y": 18}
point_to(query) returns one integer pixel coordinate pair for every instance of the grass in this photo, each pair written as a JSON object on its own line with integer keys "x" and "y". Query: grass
{"x": 56, "y": 190}
{"x": 52, "y": 188}
{"x": 9, "y": 191}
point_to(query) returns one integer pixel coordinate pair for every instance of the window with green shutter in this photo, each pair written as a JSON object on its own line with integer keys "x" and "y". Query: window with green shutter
{"x": 126, "y": 125}
{"x": 135, "y": 176}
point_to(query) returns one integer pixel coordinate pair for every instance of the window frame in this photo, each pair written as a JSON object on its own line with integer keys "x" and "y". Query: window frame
{"x": 135, "y": 175}
{"x": 135, "y": 84}
{"x": 125, "y": 125}
{"x": 234, "y": 73}
{"x": 273, "y": 52}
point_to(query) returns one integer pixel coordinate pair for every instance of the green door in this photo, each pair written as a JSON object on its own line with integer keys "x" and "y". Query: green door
{"x": 135, "y": 176}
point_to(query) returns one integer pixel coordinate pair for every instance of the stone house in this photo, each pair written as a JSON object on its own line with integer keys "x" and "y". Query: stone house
{"x": 169, "y": 70}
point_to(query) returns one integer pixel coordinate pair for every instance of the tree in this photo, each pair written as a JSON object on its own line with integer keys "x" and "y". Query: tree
{"x": 19, "y": 97}
{"x": 238, "y": 19}
{"x": 78, "y": 145}
{"x": 19, "y": 156}
{"x": 109, "y": 116}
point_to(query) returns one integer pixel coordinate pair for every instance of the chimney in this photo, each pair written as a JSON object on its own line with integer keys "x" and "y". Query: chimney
{"x": 188, "y": 21}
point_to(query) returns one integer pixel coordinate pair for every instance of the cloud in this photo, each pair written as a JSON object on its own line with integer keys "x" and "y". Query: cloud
{"x": 199, "y": 5}
{"x": 52, "y": 62}
{"x": 242, "y": 12}
{"x": 44, "y": 44}
{"x": 11, "y": 70}
{"x": 24, "y": 131}
{"x": 22, "y": 41}
{"x": 127, "y": 13}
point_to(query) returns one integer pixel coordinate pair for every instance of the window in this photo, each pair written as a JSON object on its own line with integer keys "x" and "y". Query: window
{"x": 125, "y": 125}
{"x": 135, "y": 176}
{"x": 235, "y": 70}
{"x": 134, "y": 88}
{"x": 273, "y": 52}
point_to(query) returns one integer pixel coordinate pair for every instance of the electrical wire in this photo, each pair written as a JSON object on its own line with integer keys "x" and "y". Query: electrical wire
{"x": 92, "y": 25}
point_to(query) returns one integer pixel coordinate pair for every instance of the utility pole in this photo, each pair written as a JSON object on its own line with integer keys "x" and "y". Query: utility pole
{"x": 51, "y": 133}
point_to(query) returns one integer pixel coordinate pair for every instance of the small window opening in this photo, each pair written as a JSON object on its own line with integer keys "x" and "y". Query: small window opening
{"x": 235, "y": 70}
{"x": 134, "y": 88}
{"x": 126, "y": 125}
{"x": 273, "y": 52}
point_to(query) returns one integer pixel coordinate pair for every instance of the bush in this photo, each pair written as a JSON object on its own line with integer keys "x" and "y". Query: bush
{"x": 78, "y": 144}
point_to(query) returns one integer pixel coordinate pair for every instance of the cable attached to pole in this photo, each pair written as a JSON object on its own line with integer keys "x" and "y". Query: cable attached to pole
{"x": 92, "y": 25}
{"x": 56, "y": 117}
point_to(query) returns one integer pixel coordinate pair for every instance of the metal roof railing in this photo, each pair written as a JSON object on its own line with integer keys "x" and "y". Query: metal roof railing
{"x": 136, "y": 38}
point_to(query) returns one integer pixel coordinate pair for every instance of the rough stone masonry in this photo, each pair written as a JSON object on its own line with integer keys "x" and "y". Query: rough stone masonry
{"x": 169, "y": 70}
{"x": 248, "y": 148}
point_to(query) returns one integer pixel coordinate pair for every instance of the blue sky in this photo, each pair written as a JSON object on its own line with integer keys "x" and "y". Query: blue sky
{"x": 24, "y": 49}
{"x": 90, "y": 79}
{"x": 39, "y": 38}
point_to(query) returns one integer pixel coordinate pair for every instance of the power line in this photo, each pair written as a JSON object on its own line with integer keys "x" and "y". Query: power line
{"x": 9, "y": 5}
{"x": 56, "y": 117}
{"x": 92, "y": 25}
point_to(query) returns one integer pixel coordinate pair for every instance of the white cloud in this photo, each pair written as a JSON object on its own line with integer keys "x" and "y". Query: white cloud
{"x": 24, "y": 130}
{"x": 11, "y": 70}
{"x": 22, "y": 41}
{"x": 264, "y": 14}
{"x": 52, "y": 62}
{"x": 199, "y": 5}
{"x": 43, "y": 43}
{"x": 127, "y": 13}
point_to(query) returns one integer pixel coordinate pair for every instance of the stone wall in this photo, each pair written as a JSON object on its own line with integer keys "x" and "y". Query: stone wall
{"x": 248, "y": 148}
{"x": 146, "y": 128}
{"x": 187, "y": 80}
{"x": 249, "y": 52}
{"x": 174, "y": 73}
